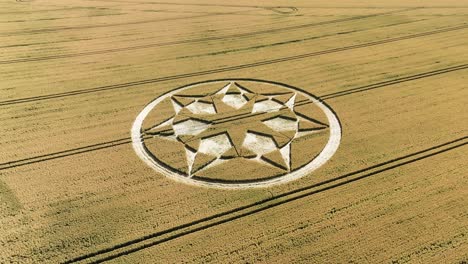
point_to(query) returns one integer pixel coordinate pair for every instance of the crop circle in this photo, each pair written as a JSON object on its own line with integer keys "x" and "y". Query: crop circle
{"x": 236, "y": 133}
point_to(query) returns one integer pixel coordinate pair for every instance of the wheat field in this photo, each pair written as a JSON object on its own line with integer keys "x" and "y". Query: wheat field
{"x": 74, "y": 76}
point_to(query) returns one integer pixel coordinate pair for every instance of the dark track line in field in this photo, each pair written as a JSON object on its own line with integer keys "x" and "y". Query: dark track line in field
{"x": 205, "y": 223}
{"x": 254, "y": 6}
{"x": 65, "y": 153}
{"x": 38, "y": 31}
{"x": 127, "y": 140}
{"x": 224, "y": 69}
{"x": 191, "y": 4}
{"x": 395, "y": 81}
{"x": 295, "y": 41}
{"x": 56, "y": 19}
{"x": 352, "y": 91}
{"x": 97, "y": 52}
{"x": 247, "y": 13}
{"x": 47, "y": 10}
{"x": 170, "y": 43}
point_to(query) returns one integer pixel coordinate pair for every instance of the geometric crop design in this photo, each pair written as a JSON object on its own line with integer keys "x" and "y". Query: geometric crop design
{"x": 236, "y": 134}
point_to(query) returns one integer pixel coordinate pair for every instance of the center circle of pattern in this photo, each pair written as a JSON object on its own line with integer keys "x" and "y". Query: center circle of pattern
{"x": 236, "y": 133}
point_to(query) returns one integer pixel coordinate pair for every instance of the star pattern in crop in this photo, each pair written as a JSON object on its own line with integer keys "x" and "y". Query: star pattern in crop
{"x": 235, "y": 122}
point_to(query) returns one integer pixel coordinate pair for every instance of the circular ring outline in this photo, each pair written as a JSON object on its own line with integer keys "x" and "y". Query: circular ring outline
{"x": 327, "y": 152}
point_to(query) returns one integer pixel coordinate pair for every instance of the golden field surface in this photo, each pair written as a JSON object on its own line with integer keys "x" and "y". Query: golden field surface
{"x": 75, "y": 74}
